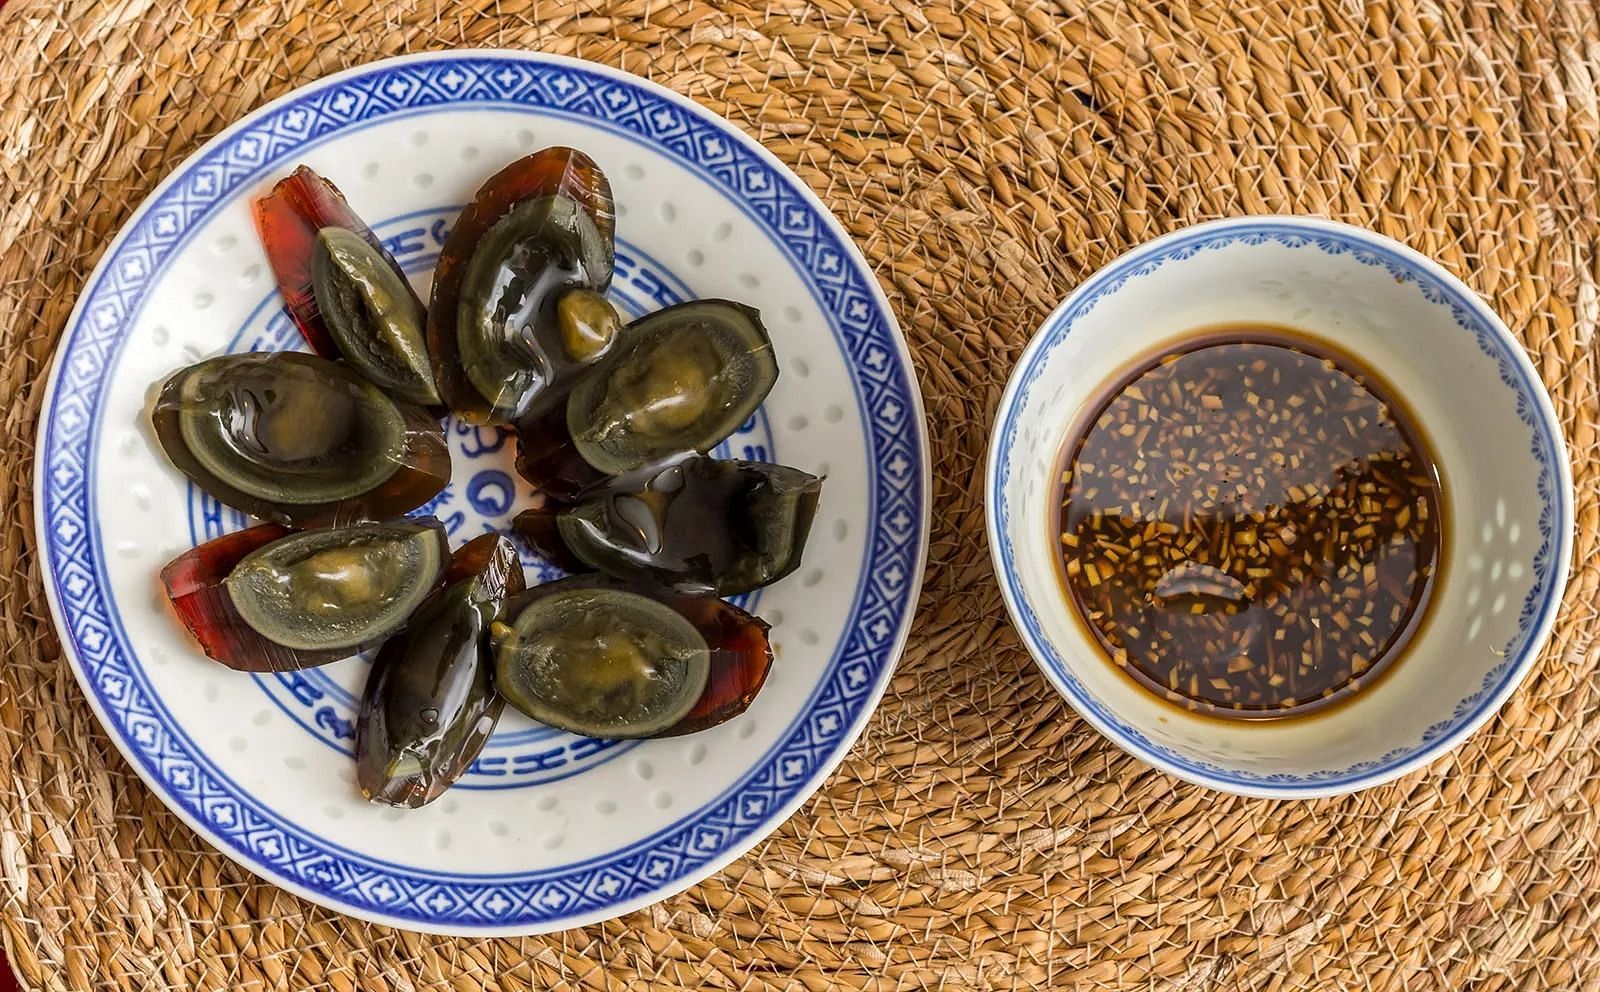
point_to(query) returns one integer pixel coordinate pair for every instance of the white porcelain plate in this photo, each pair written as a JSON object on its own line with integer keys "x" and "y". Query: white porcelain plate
{"x": 546, "y": 830}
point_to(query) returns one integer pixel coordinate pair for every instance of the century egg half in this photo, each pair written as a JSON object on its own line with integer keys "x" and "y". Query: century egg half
{"x": 699, "y": 526}
{"x": 429, "y": 704}
{"x": 267, "y": 599}
{"x": 344, "y": 290}
{"x": 606, "y": 659}
{"x": 299, "y": 439}
{"x": 681, "y": 379}
{"x": 536, "y": 231}
{"x": 373, "y": 315}
{"x": 675, "y": 382}
{"x": 509, "y": 341}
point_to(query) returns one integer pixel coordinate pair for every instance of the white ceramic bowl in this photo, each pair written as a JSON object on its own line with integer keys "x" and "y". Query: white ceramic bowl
{"x": 1508, "y": 489}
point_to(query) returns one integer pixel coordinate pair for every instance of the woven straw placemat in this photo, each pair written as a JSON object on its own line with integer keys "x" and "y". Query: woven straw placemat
{"x": 986, "y": 156}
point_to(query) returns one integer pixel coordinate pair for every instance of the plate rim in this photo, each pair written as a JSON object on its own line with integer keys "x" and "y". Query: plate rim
{"x": 917, "y": 547}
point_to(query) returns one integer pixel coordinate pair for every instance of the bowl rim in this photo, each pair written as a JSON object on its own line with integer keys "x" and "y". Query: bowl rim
{"x": 1349, "y": 780}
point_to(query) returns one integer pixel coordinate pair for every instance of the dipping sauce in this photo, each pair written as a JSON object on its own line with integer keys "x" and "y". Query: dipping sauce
{"x": 1250, "y": 524}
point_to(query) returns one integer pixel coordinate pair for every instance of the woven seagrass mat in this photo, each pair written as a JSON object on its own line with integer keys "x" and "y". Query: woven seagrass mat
{"x": 986, "y": 157}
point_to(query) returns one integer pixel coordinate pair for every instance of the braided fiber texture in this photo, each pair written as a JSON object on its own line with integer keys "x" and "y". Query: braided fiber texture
{"x": 986, "y": 157}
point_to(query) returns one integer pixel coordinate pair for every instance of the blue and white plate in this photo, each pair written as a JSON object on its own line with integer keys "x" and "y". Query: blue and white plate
{"x": 546, "y": 830}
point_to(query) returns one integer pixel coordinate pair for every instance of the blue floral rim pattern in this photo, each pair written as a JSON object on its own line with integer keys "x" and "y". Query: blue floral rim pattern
{"x": 1555, "y": 514}
{"x": 701, "y": 840}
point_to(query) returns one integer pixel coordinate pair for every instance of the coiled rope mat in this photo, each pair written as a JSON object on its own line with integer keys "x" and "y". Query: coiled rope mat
{"x": 986, "y": 156}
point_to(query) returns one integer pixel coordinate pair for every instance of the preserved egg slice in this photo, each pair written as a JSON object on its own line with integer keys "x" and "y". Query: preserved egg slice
{"x": 197, "y": 584}
{"x": 338, "y": 587}
{"x": 373, "y": 315}
{"x": 665, "y": 365}
{"x": 605, "y": 659}
{"x": 298, "y": 439}
{"x": 288, "y": 220}
{"x": 511, "y": 340}
{"x": 559, "y": 172}
{"x": 680, "y": 380}
{"x": 429, "y": 704}
{"x": 698, "y": 527}
{"x": 603, "y": 663}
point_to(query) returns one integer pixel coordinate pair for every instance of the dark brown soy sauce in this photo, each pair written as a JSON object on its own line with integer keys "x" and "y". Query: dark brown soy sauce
{"x": 1250, "y": 524}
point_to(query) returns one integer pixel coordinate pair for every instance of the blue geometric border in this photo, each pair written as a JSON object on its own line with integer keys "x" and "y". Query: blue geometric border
{"x": 1533, "y": 409}
{"x": 265, "y": 143}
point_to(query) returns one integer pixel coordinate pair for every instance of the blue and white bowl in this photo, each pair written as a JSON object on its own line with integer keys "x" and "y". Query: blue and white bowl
{"x": 545, "y": 830}
{"x": 1479, "y": 400}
